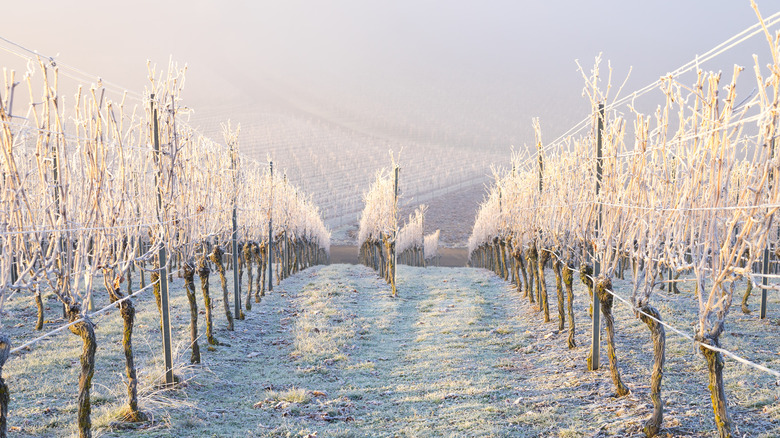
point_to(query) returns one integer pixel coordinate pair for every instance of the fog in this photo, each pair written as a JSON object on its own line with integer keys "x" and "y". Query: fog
{"x": 482, "y": 66}
{"x": 417, "y": 74}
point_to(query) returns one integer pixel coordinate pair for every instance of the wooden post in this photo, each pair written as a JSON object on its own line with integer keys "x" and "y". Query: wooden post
{"x": 422, "y": 233}
{"x": 596, "y": 322}
{"x": 14, "y": 269}
{"x": 395, "y": 231}
{"x": 505, "y": 271}
{"x": 541, "y": 165}
{"x": 270, "y": 232}
{"x": 163, "y": 276}
{"x": 64, "y": 256}
{"x": 767, "y": 253}
{"x": 236, "y": 283}
{"x": 764, "y": 281}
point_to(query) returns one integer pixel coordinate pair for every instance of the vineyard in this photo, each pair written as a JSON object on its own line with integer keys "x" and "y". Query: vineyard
{"x": 96, "y": 194}
{"x": 339, "y": 176}
{"x": 684, "y": 194}
{"x": 197, "y": 280}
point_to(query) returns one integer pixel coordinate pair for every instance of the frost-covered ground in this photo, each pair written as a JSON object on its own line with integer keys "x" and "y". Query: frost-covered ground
{"x": 459, "y": 353}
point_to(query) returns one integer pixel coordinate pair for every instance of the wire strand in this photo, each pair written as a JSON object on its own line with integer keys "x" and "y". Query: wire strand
{"x": 61, "y": 328}
{"x": 672, "y": 328}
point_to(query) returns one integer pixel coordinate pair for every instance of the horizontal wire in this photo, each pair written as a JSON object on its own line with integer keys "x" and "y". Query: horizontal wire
{"x": 35, "y": 55}
{"x": 61, "y": 328}
{"x": 691, "y": 338}
{"x": 114, "y": 227}
{"x": 672, "y": 328}
{"x": 721, "y": 48}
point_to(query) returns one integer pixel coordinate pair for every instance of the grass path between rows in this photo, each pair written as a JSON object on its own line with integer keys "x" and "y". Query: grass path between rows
{"x": 459, "y": 353}
{"x": 331, "y": 353}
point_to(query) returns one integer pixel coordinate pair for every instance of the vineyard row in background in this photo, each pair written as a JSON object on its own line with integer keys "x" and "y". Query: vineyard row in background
{"x": 382, "y": 242}
{"x": 95, "y": 188}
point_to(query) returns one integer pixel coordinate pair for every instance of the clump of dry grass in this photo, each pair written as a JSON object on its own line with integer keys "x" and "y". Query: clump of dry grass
{"x": 292, "y": 395}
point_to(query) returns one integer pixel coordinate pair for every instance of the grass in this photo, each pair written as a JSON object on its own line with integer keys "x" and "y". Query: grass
{"x": 294, "y": 395}
{"x": 330, "y": 352}
{"x": 504, "y": 331}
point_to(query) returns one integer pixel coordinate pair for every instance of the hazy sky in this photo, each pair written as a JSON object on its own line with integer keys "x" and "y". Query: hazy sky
{"x": 476, "y": 70}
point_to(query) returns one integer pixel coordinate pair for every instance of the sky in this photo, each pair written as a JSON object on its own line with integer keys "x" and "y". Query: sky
{"x": 469, "y": 73}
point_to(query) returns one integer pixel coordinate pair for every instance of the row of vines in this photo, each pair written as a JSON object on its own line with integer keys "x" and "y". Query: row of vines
{"x": 95, "y": 188}
{"x": 378, "y": 228}
{"x": 689, "y": 189}
{"x": 413, "y": 246}
{"x": 382, "y": 243}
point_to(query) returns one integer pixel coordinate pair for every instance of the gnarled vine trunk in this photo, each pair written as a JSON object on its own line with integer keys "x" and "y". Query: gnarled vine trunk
{"x": 380, "y": 255}
{"x": 559, "y": 290}
{"x": 542, "y": 285}
{"x": 602, "y": 284}
{"x": 203, "y": 273}
{"x": 530, "y": 256}
{"x": 128, "y": 316}
{"x": 127, "y": 311}
{"x": 568, "y": 279}
{"x": 749, "y": 286}
{"x": 586, "y": 274}
{"x": 142, "y": 275}
{"x": 86, "y": 331}
{"x": 154, "y": 277}
{"x": 5, "y": 394}
{"x": 189, "y": 286}
{"x": 241, "y": 264}
{"x": 499, "y": 268}
{"x": 748, "y": 290}
{"x": 520, "y": 266}
{"x": 261, "y": 254}
{"x": 653, "y": 425}
{"x": 673, "y": 286}
{"x": 39, "y": 306}
{"x": 390, "y": 271}
{"x": 263, "y": 266}
{"x": 504, "y": 264}
{"x": 717, "y": 391}
{"x": 248, "y": 258}
{"x": 216, "y": 257}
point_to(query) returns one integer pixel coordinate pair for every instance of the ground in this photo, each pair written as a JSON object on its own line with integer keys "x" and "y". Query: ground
{"x": 330, "y": 353}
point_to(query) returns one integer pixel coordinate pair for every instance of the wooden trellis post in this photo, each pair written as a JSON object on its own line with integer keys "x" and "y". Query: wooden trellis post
{"x": 270, "y": 232}
{"x": 596, "y": 322}
{"x": 236, "y": 282}
{"x": 395, "y": 232}
{"x": 163, "y": 276}
{"x": 767, "y": 253}
{"x": 422, "y": 234}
